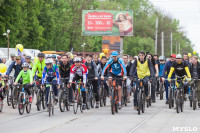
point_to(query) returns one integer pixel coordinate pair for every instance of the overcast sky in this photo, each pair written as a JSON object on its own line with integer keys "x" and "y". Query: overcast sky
{"x": 188, "y": 12}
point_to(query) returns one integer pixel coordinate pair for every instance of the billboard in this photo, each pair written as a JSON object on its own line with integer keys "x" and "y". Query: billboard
{"x": 107, "y": 23}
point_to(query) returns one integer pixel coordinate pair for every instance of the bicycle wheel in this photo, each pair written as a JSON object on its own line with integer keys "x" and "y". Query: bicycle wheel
{"x": 8, "y": 96}
{"x": 21, "y": 104}
{"x": 170, "y": 97}
{"x": 43, "y": 99}
{"x": 178, "y": 101}
{"x": 75, "y": 101}
{"x": 125, "y": 96}
{"x": 191, "y": 97}
{"x": 14, "y": 98}
{"x": 50, "y": 104}
{"x": 194, "y": 99}
{"x": 28, "y": 106}
{"x": 67, "y": 105}
{"x": 87, "y": 99}
{"x": 39, "y": 97}
{"x": 80, "y": 102}
{"x": 1, "y": 105}
{"x": 101, "y": 96}
{"x": 112, "y": 101}
{"x": 62, "y": 102}
{"x": 104, "y": 97}
{"x": 53, "y": 102}
{"x": 182, "y": 101}
{"x": 116, "y": 101}
{"x": 161, "y": 91}
{"x": 139, "y": 100}
{"x": 143, "y": 102}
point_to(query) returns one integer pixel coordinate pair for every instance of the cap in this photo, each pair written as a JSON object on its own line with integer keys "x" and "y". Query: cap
{"x": 59, "y": 57}
{"x": 12, "y": 55}
{"x": 28, "y": 57}
{"x": 89, "y": 55}
{"x": 114, "y": 53}
{"x": 173, "y": 56}
{"x": 178, "y": 56}
{"x": 18, "y": 57}
{"x": 79, "y": 54}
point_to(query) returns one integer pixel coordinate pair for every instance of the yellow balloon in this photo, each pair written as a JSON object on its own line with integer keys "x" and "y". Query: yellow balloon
{"x": 72, "y": 56}
{"x": 189, "y": 54}
{"x": 20, "y": 47}
{"x": 35, "y": 59}
{"x": 194, "y": 52}
{"x": 3, "y": 68}
{"x": 101, "y": 54}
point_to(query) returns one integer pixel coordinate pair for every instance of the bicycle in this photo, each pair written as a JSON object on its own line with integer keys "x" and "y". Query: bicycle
{"x": 102, "y": 94}
{"x": 23, "y": 101}
{"x": 91, "y": 93}
{"x": 77, "y": 97}
{"x": 64, "y": 96}
{"x": 193, "y": 91}
{"x": 161, "y": 88}
{"x": 1, "y": 100}
{"x": 149, "y": 95}
{"x": 51, "y": 99}
{"x": 114, "y": 96}
{"x": 10, "y": 81}
{"x": 171, "y": 93}
{"x": 124, "y": 93}
{"x": 40, "y": 96}
{"x": 15, "y": 95}
{"x": 141, "y": 97}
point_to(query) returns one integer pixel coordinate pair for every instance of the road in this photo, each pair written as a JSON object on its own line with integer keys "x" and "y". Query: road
{"x": 156, "y": 119}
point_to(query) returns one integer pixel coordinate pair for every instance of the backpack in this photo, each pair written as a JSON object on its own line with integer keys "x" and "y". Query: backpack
{"x": 54, "y": 69}
{"x": 91, "y": 64}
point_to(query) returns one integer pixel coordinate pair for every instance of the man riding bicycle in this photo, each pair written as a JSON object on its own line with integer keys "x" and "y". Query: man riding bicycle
{"x": 51, "y": 75}
{"x": 78, "y": 72}
{"x": 181, "y": 69}
{"x": 117, "y": 69}
{"x": 145, "y": 69}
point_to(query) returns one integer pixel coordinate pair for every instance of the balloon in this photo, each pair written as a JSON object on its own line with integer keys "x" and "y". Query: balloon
{"x": 35, "y": 59}
{"x": 101, "y": 54}
{"x": 20, "y": 47}
{"x": 189, "y": 54}
{"x": 194, "y": 52}
{"x": 3, "y": 68}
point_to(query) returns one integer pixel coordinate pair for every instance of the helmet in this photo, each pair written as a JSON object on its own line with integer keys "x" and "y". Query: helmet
{"x": 59, "y": 57}
{"x": 41, "y": 55}
{"x": 114, "y": 53}
{"x": 48, "y": 61}
{"x": 161, "y": 58}
{"x": 178, "y": 56}
{"x": 25, "y": 64}
{"x": 28, "y": 57}
{"x": 53, "y": 56}
{"x": 77, "y": 59}
{"x": 48, "y": 56}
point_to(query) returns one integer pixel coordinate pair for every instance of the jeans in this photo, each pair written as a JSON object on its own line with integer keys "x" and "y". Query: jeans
{"x": 55, "y": 90}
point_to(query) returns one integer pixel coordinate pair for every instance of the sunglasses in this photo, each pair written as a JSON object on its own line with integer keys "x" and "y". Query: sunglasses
{"x": 77, "y": 61}
{"x": 48, "y": 64}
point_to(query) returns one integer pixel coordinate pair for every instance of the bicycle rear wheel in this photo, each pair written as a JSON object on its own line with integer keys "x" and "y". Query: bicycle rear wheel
{"x": 21, "y": 104}
{"x": 194, "y": 99}
{"x": 28, "y": 106}
{"x": 75, "y": 101}
{"x": 112, "y": 102}
{"x": 143, "y": 102}
{"x": 139, "y": 100}
{"x": 62, "y": 102}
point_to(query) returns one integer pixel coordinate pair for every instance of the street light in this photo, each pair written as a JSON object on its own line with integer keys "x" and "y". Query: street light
{"x": 7, "y": 34}
{"x": 83, "y": 49}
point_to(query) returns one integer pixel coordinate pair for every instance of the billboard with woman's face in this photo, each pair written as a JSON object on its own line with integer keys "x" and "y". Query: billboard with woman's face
{"x": 107, "y": 23}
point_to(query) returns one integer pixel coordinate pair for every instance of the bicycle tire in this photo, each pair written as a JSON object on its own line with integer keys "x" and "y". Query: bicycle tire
{"x": 14, "y": 98}
{"x": 139, "y": 101}
{"x": 28, "y": 107}
{"x": 50, "y": 104}
{"x": 143, "y": 102}
{"x": 38, "y": 100}
{"x": 191, "y": 97}
{"x": 178, "y": 101}
{"x": 43, "y": 99}
{"x": 75, "y": 101}
{"x": 62, "y": 102}
{"x": 194, "y": 99}
{"x": 87, "y": 100}
{"x": 170, "y": 97}
{"x": 161, "y": 91}
{"x": 104, "y": 97}
{"x": 8, "y": 96}
{"x": 112, "y": 101}
{"x": 1, "y": 105}
{"x": 116, "y": 101}
{"x": 20, "y": 104}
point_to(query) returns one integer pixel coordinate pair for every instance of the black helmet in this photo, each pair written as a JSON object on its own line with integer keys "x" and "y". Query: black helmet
{"x": 41, "y": 55}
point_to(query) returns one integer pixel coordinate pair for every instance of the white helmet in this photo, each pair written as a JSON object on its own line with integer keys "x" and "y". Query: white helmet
{"x": 77, "y": 59}
{"x": 25, "y": 64}
{"x": 178, "y": 56}
{"x": 48, "y": 61}
{"x": 161, "y": 58}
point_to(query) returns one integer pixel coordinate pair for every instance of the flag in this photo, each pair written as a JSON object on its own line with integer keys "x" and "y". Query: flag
{"x": 20, "y": 54}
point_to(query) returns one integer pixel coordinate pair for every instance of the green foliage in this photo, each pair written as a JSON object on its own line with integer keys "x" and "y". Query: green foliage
{"x": 56, "y": 25}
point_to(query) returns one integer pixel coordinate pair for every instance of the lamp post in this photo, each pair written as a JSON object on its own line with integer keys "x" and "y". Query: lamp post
{"x": 7, "y": 34}
{"x": 83, "y": 49}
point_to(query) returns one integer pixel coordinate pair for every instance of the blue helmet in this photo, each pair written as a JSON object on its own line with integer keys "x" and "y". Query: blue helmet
{"x": 114, "y": 53}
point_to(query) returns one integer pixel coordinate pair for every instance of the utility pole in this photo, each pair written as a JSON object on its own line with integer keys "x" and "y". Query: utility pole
{"x": 179, "y": 48}
{"x": 162, "y": 43}
{"x": 156, "y": 36}
{"x": 171, "y": 42}
{"x": 176, "y": 47}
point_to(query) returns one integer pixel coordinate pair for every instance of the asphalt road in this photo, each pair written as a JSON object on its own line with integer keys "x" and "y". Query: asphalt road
{"x": 156, "y": 119}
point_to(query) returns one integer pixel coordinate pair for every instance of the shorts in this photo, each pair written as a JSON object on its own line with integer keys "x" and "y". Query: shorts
{"x": 118, "y": 80}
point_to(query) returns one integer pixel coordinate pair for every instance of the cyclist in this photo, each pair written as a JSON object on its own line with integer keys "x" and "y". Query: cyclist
{"x": 181, "y": 69}
{"x": 78, "y": 71}
{"x": 81, "y": 56}
{"x": 51, "y": 74}
{"x": 145, "y": 69}
{"x": 2, "y": 88}
{"x": 116, "y": 69}
{"x": 16, "y": 65}
{"x": 39, "y": 65}
{"x": 54, "y": 59}
{"x": 165, "y": 73}
{"x": 64, "y": 71}
{"x": 28, "y": 60}
{"x": 93, "y": 74}
{"x": 160, "y": 66}
{"x": 195, "y": 74}
{"x": 27, "y": 79}
{"x": 128, "y": 81}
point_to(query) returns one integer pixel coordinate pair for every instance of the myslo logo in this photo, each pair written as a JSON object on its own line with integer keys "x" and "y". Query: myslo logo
{"x": 185, "y": 129}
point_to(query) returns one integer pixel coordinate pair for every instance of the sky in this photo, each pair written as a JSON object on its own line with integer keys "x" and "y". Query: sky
{"x": 188, "y": 12}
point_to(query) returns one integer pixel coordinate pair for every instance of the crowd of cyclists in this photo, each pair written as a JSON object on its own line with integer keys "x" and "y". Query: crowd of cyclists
{"x": 126, "y": 75}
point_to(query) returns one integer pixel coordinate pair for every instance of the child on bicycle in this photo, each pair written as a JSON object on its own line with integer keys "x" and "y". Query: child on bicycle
{"x": 27, "y": 79}
{"x": 2, "y": 88}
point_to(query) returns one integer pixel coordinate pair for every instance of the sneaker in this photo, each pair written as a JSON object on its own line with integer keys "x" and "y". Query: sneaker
{"x": 84, "y": 107}
{"x": 56, "y": 99}
{"x": 120, "y": 105}
{"x": 30, "y": 99}
{"x": 153, "y": 100}
{"x": 167, "y": 102}
{"x": 97, "y": 105}
{"x": 135, "y": 107}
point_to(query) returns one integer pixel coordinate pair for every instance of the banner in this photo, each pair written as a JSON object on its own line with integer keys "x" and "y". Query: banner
{"x": 107, "y": 23}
